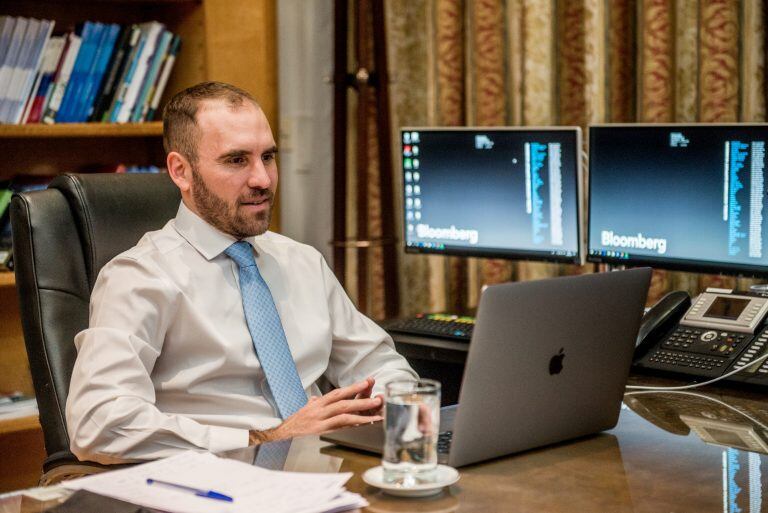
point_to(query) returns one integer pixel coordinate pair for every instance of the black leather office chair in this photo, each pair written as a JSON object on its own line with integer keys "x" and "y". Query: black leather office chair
{"x": 62, "y": 237}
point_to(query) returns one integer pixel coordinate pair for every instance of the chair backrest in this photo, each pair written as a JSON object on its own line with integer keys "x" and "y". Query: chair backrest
{"x": 62, "y": 237}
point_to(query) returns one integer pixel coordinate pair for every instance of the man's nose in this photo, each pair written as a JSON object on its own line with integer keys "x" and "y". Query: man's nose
{"x": 258, "y": 177}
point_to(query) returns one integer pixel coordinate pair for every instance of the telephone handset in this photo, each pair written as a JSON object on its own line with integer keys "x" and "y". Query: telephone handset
{"x": 663, "y": 316}
{"x": 707, "y": 337}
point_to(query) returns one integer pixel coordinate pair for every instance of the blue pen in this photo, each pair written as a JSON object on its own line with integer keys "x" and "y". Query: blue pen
{"x": 208, "y": 494}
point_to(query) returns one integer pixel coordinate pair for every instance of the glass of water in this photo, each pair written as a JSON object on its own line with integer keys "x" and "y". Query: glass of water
{"x": 411, "y": 423}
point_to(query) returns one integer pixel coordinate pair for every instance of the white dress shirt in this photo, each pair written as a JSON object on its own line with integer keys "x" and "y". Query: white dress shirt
{"x": 168, "y": 364}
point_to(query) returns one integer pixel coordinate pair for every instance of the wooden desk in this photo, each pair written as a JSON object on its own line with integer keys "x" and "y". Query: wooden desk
{"x": 653, "y": 461}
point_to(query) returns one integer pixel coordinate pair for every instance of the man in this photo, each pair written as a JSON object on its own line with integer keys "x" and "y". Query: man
{"x": 212, "y": 332}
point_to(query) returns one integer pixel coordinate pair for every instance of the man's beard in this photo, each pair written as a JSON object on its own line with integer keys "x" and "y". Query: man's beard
{"x": 227, "y": 217}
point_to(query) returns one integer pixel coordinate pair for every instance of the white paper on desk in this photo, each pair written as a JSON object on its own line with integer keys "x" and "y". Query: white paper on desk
{"x": 344, "y": 502}
{"x": 252, "y": 488}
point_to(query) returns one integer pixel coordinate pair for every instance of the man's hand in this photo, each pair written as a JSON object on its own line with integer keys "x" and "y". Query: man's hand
{"x": 365, "y": 394}
{"x": 348, "y": 406}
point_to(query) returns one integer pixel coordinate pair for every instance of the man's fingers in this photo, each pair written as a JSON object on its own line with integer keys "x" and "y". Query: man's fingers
{"x": 353, "y": 406}
{"x": 368, "y": 390}
{"x": 349, "y": 419}
{"x": 377, "y": 409}
{"x": 346, "y": 392}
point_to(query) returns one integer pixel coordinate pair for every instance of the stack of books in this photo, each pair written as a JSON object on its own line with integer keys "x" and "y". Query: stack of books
{"x": 122, "y": 168}
{"x": 98, "y": 73}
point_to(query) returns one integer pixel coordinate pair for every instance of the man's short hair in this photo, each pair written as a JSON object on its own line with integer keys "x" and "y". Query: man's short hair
{"x": 180, "y": 130}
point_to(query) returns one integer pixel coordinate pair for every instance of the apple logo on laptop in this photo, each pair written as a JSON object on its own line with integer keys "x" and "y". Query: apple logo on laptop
{"x": 556, "y": 363}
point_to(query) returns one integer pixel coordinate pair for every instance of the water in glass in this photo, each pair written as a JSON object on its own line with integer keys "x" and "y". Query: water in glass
{"x": 412, "y": 421}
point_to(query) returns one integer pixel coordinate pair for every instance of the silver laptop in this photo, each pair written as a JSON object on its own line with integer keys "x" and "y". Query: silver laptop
{"x": 548, "y": 362}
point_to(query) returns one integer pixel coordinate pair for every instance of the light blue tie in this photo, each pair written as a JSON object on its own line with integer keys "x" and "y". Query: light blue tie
{"x": 267, "y": 333}
{"x": 272, "y": 455}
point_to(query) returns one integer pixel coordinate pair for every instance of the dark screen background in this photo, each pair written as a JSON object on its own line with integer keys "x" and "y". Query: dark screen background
{"x": 484, "y": 189}
{"x": 639, "y": 183}
{"x": 726, "y": 308}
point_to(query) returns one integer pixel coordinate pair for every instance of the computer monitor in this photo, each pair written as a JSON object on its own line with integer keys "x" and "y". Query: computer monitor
{"x": 493, "y": 192}
{"x": 687, "y": 197}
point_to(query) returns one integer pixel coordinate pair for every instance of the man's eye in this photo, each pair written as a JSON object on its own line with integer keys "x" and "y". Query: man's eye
{"x": 268, "y": 157}
{"x": 238, "y": 161}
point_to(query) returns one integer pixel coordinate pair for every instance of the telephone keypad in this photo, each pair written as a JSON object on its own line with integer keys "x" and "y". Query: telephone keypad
{"x": 704, "y": 341}
{"x": 756, "y": 349}
{"x": 689, "y": 360}
{"x": 682, "y": 338}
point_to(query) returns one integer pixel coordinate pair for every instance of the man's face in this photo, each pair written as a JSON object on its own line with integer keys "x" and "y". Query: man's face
{"x": 235, "y": 178}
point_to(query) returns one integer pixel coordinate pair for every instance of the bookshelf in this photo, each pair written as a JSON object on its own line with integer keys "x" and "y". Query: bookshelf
{"x": 19, "y": 424}
{"x": 21, "y": 438}
{"x": 7, "y": 280}
{"x": 68, "y": 130}
{"x": 227, "y": 40}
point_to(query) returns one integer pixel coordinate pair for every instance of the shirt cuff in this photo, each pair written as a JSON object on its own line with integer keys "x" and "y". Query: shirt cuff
{"x": 222, "y": 438}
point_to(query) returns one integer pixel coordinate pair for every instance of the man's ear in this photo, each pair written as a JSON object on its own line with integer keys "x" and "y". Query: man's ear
{"x": 180, "y": 170}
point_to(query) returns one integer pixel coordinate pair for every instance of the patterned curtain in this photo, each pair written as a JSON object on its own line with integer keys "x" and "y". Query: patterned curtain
{"x": 568, "y": 62}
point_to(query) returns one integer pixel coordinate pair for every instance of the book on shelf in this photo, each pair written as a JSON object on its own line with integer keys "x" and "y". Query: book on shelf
{"x": 7, "y": 24}
{"x": 152, "y": 32}
{"x": 63, "y": 74}
{"x": 162, "y": 79}
{"x": 43, "y": 81}
{"x": 10, "y": 53}
{"x": 124, "y": 80}
{"x": 98, "y": 72}
{"x": 5, "y": 200}
{"x": 20, "y": 82}
{"x": 16, "y": 67}
{"x": 5, "y": 225}
{"x": 129, "y": 38}
{"x": 90, "y": 34}
{"x": 153, "y": 68}
{"x": 95, "y": 75}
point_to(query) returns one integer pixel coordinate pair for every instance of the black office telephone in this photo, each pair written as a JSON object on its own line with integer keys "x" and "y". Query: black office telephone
{"x": 708, "y": 337}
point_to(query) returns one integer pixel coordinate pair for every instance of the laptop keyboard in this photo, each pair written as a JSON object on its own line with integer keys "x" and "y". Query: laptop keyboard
{"x": 435, "y": 325}
{"x": 444, "y": 442}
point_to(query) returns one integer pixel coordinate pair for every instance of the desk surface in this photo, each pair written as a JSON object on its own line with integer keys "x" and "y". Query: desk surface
{"x": 662, "y": 456}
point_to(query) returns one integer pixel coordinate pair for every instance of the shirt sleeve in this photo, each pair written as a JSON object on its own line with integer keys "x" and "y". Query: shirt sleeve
{"x": 110, "y": 412}
{"x": 361, "y": 348}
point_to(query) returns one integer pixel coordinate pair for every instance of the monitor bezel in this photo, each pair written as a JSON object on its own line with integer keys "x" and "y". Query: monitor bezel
{"x": 672, "y": 264}
{"x": 518, "y": 254}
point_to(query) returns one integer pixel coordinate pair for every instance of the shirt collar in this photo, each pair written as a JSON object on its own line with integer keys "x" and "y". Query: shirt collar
{"x": 206, "y": 239}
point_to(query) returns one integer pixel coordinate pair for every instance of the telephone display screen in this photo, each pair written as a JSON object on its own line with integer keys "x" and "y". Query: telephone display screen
{"x": 726, "y": 308}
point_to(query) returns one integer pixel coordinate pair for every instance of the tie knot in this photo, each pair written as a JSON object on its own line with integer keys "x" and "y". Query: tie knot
{"x": 242, "y": 253}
